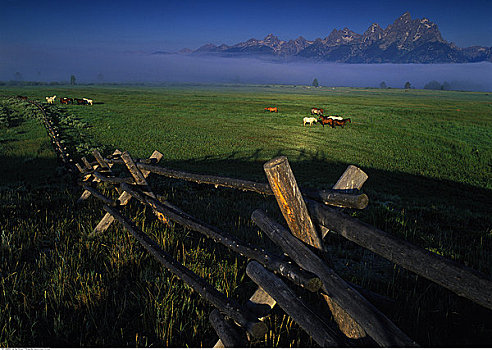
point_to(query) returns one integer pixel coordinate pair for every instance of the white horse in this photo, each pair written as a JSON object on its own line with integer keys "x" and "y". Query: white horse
{"x": 89, "y": 101}
{"x": 335, "y": 117}
{"x": 50, "y": 100}
{"x": 309, "y": 120}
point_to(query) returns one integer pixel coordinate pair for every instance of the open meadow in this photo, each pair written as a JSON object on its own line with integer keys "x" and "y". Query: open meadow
{"x": 428, "y": 155}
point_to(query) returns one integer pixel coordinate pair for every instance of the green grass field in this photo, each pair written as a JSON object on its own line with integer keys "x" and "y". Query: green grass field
{"x": 428, "y": 155}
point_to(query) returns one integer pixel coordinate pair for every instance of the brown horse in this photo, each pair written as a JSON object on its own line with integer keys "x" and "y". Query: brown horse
{"x": 326, "y": 120}
{"x": 272, "y": 109}
{"x": 81, "y": 101}
{"x": 341, "y": 122}
{"x": 317, "y": 111}
{"x": 66, "y": 100}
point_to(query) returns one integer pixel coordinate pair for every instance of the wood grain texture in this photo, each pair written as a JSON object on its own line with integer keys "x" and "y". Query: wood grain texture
{"x": 290, "y": 201}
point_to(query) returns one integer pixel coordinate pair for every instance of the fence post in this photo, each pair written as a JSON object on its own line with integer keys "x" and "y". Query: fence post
{"x": 377, "y": 325}
{"x": 352, "y": 179}
{"x": 123, "y": 198}
{"x": 229, "y": 337}
{"x": 293, "y": 306}
{"x": 290, "y": 201}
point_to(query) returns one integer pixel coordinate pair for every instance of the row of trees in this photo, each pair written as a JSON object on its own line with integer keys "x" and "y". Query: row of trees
{"x": 382, "y": 85}
{"x": 407, "y": 85}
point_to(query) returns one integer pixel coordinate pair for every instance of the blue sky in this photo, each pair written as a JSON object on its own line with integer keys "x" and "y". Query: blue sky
{"x": 51, "y": 40}
{"x": 159, "y": 25}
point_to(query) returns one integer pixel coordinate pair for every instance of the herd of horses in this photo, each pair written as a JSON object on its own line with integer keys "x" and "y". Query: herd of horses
{"x": 332, "y": 120}
{"x": 69, "y": 100}
{"x": 63, "y": 100}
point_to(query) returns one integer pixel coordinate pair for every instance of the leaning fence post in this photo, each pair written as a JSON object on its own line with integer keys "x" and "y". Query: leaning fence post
{"x": 123, "y": 198}
{"x": 352, "y": 179}
{"x": 229, "y": 337}
{"x": 260, "y": 304}
{"x": 293, "y": 306}
{"x": 376, "y": 324}
{"x": 290, "y": 201}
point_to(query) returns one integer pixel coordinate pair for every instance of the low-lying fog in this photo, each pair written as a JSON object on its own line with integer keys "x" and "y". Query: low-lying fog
{"x": 142, "y": 67}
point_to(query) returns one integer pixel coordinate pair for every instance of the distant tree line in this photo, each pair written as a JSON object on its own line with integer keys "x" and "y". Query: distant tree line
{"x": 30, "y": 83}
{"x": 432, "y": 85}
{"x": 435, "y": 85}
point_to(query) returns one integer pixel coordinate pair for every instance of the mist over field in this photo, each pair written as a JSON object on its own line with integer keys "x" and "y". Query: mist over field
{"x": 99, "y": 67}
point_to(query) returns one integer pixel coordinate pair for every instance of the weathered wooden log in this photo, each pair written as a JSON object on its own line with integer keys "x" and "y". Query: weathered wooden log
{"x": 294, "y": 307}
{"x": 270, "y": 260}
{"x": 79, "y": 167}
{"x": 88, "y": 166}
{"x": 335, "y": 198}
{"x": 290, "y": 201}
{"x": 228, "y": 306}
{"x": 137, "y": 174}
{"x": 260, "y": 304}
{"x": 463, "y": 281}
{"x": 229, "y": 336}
{"x": 100, "y": 196}
{"x": 338, "y": 198}
{"x": 113, "y": 179}
{"x": 352, "y": 179}
{"x": 124, "y": 197}
{"x": 100, "y": 159}
{"x": 377, "y": 325}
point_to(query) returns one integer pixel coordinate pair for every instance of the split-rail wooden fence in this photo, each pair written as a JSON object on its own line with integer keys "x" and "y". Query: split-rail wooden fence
{"x": 309, "y": 215}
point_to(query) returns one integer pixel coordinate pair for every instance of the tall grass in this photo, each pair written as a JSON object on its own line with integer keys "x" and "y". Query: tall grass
{"x": 428, "y": 156}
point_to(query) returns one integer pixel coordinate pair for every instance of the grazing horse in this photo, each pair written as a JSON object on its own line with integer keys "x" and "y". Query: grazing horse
{"x": 66, "y": 100}
{"x": 51, "y": 99}
{"x": 317, "y": 111}
{"x": 272, "y": 109}
{"x": 342, "y": 122}
{"x": 336, "y": 117}
{"x": 88, "y": 100}
{"x": 309, "y": 120}
{"x": 22, "y": 97}
{"x": 81, "y": 101}
{"x": 326, "y": 120}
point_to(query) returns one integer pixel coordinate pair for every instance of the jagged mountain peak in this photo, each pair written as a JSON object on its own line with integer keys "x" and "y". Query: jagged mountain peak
{"x": 406, "y": 40}
{"x": 406, "y": 17}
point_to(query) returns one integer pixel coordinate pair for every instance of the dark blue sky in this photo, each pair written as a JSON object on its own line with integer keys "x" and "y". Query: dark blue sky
{"x": 112, "y": 41}
{"x": 159, "y": 25}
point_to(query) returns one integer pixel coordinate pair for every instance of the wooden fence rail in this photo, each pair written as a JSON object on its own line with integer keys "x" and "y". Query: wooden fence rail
{"x": 330, "y": 197}
{"x": 355, "y": 315}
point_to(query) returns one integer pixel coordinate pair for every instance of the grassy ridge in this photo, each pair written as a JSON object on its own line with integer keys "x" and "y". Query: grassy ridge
{"x": 428, "y": 156}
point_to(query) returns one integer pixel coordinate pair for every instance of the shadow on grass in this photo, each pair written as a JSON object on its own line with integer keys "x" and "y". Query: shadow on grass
{"x": 313, "y": 170}
{"x": 428, "y": 313}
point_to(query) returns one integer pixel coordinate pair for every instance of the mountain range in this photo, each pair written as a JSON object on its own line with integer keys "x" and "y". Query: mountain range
{"x": 407, "y": 40}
